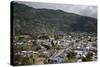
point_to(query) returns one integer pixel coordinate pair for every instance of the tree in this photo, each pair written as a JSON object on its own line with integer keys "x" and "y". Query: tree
{"x": 88, "y": 57}
{"x": 46, "y": 61}
{"x": 28, "y": 60}
{"x": 17, "y": 59}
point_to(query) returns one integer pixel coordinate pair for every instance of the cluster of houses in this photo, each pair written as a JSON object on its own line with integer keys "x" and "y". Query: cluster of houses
{"x": 80, "y": 43}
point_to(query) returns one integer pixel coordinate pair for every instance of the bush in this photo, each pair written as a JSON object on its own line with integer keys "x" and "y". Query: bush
{"x": 24, "y": 47}
{"x": 46, "y": 61}
{"x": 17, "y": 59}
{"x": 31, "y": 61}
{"x": 71, "y": 55}
{"x": 56, "y": 46}
{"x": 28, "y": 60}
{"x": 65, "y": 59}
{"x": 88, "y": 57}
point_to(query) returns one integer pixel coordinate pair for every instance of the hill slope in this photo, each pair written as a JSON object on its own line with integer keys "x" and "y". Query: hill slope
{"x": 29, "y": 20}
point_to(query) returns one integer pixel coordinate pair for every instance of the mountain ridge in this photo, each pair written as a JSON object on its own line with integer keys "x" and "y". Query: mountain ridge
{"x": 29, "y": 20}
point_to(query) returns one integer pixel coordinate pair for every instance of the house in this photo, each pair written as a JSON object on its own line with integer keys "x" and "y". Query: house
{"x": 79, "y": 60}
{"x": 26, "y": 53}
{"x": 80, "y": 53}
{"x": 57, "y": 59}
{"x": 19, "y": 43}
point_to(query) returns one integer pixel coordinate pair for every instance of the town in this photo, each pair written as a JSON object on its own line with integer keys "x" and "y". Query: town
{"x": 57, "y": 48}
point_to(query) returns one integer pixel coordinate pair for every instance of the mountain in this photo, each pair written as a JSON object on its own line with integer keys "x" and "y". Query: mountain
{"x": 33, "y": 20}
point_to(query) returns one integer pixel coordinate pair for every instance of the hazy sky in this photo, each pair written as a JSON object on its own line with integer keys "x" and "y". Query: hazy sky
{"x": 84, "y": 10}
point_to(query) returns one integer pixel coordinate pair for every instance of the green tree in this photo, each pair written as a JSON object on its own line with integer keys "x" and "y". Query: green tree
{"x": 46, "y": 61}
{"x": 88, "y": 57}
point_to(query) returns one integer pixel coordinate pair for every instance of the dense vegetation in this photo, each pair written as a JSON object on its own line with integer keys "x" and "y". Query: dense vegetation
{"x": 32, "y": 20}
